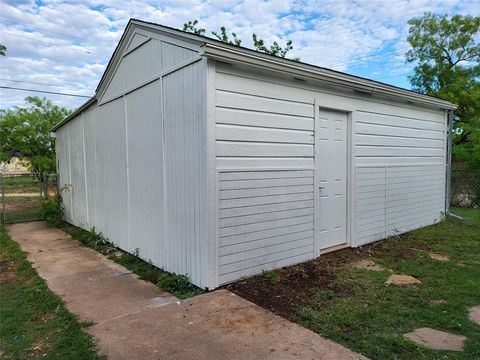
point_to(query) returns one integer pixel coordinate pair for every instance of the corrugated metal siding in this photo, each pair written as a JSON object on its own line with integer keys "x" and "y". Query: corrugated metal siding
{"x": 186, "y": 171}
{"x": 265, "y": 221}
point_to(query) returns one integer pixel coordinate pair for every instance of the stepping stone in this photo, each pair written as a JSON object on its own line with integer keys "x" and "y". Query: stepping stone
{"x": 368, "y": 265}
{"x": 438, "y": 257}
{"x": 396, "y": 279}
{"x": 438, "y": 301}
{"x": 474, "y": 314}
{"x": 435, "y": 339}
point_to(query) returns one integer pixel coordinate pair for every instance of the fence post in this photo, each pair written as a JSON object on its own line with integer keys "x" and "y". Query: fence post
{"x": 4, "y": 210}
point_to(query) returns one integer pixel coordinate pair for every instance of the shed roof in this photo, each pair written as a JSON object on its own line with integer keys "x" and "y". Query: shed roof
{"x": 219, "y": 50}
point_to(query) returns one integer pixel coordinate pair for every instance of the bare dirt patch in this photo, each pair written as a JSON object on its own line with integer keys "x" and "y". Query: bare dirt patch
{"x": 38, "y": 349}
{"x": 22, "y": 205}
{"x": 438, "y": 340}
{"x": 367, "y": 264}
{"x": 296, "y": 284}
{"x": 7, "y": 271}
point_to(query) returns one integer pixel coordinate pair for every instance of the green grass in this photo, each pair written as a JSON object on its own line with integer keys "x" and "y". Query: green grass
{"x": 34, "y": 321}
{"x": 176, "y": 284}
{"x": 371, "y": 318}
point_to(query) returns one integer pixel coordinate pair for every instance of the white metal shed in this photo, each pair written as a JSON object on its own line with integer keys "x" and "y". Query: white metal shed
{"x": 219, "y": 162}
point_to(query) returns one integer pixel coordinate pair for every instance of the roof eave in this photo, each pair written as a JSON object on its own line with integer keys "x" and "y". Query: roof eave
{"x": 228, "y": 53}
{"x": 83, "y": 107}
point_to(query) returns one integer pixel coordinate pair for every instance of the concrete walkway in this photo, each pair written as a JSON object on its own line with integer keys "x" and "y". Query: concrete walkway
{"x": 134, "y": 319}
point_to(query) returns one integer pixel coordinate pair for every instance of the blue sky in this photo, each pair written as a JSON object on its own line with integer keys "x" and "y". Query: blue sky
{"x": 64, "y": 46}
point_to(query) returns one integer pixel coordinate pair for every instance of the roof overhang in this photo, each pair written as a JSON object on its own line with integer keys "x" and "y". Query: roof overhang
{"x": 253, "y": 58}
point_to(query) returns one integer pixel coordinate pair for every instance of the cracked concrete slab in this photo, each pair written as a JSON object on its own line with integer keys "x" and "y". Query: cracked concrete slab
{"x": 134, "y": 319}
{"x": 436, "y": 339}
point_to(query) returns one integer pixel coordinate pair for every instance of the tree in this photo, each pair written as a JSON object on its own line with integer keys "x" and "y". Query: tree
{"x": 233, "y": 39}
{"x": 26, "y": 130}
{"x": 446, "y": 52}
{"x": 3, "y": 50}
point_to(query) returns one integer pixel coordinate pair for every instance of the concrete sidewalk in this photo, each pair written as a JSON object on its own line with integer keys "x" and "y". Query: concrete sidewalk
{"x": 134, "y": 319}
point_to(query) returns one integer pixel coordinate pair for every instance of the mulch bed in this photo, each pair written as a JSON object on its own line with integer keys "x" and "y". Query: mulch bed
{"x": 296, "y": 284}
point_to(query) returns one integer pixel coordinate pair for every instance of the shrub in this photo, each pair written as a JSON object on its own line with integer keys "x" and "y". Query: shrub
{"x": 53, "y": 210}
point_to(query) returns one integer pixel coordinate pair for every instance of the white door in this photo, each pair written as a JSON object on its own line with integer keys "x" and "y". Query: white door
{"x": 331, "y": 178}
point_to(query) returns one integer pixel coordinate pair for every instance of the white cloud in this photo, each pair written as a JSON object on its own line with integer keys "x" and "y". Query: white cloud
{"x": 68, "y": 44}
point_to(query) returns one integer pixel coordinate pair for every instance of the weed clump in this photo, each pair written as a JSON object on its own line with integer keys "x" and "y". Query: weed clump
{"x": 178, "y": 285}
{"x": 52, "y": 210}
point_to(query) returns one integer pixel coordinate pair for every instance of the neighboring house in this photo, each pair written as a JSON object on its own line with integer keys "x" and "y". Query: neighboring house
{"x": 219, "y": 162}
{"x": 14, "y": 165}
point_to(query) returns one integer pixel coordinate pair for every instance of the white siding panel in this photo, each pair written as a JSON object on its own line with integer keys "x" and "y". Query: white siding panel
{"x": 269, "y": 120}
{"x": 79, "y": 196}
{"x": 89, "y": 119}
{"x": 263, "y": 163}
{"x": 111, "y": 197}
{"x": 409, "y": 197}
{"x": 256, "y": 131}
{"x": 370, "y": 204}
{"x": 186, "y": 171}
{"x": 266, "y": 219}
{"x": 145, "y": 168}
{"x": 136, "y": 41}
{"x": 251, "y": 149}
{"x": 173, "y": 55}
{"x": 243, "y": 133}
{"x": 135, "y": 68}
{"x": 233, "y": 100}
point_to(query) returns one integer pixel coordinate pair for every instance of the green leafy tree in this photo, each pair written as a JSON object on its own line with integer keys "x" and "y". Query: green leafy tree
{"x": 446, "y": 52}
{"x": 191, "y": 26}
{"x": 26, "y": 130}
{"x": 3, "y": 50}
{"x": 223, "y": 36}
{"x": 276, "y": 49}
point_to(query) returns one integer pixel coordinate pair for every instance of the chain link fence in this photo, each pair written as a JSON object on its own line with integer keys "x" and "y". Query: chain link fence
{"x": 465, "y": 188}
{"x": 22, "y": 196}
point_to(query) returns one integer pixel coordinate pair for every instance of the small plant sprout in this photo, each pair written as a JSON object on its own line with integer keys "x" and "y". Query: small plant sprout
{"x": 271, "y": 274}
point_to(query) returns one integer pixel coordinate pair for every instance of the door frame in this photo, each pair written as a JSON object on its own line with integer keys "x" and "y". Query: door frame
{"x": 350, "y": 174}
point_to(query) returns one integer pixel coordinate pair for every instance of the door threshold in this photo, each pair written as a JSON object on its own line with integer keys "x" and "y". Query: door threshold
{"x": 333, "y": 248}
